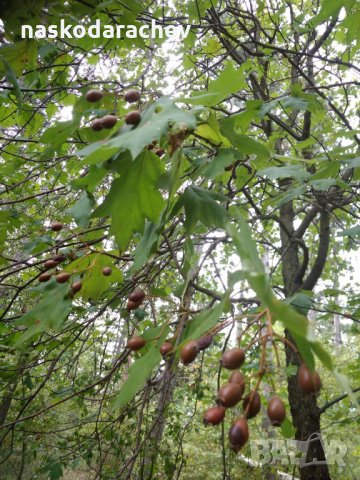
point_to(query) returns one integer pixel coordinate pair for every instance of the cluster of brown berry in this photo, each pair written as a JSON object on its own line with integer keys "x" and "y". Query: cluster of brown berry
{"x": 231, "y": 393}
{"x": 109, "y": 121}
{"x": 63, "y": 277}
{"x": 131, "y": 118}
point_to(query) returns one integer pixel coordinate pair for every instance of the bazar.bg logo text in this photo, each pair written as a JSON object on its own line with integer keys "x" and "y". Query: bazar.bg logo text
{"x": 296, "y": 452}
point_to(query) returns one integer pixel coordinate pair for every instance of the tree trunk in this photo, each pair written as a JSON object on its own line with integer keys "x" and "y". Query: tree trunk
{"x": 167, "y": 388}
{"x": 304, "y": 410}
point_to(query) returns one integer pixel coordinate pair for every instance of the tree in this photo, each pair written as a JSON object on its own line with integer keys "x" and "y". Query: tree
{"x": 247, "y": 148}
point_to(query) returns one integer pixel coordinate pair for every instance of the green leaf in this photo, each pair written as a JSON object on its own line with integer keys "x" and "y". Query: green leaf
{"x": 289, "y": 195}
{"x": 56, "y": 135}
{"x": 322, "y": 355}
{"x": 230, "y": 80}
{"x": 287, "y": 429}
{"x": 350, "y": 232}
{"x": 18, "y": 55}
{"x": 141, "y": 369}
{"x": 81, "y": 211}
{"x": 204, "y": 321}
{"x": 202, "y": 205}
{"x": 49, "y": 314}
{"x": 330, "y": 9}
{"x": 258, "y": 280}
{"x": 323, "y": 184}
{"x": 146, "y": 245}
{"x": 344, "y": 382}
{"x": 243, "y": 143}
{"x": 11, "y": 78}
{"x": 91, "y": 180}
{"x": 289, "y": 171}
{"x": 305, "y": 349}
{"x": 134, "y": 197}
{"x": 216, "y": 166}
{"x": 301, "y": 302}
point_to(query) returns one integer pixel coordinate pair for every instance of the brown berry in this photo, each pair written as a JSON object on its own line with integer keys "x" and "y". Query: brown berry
{"x": 108, "y": 121}
{"x": 276, "y": 411}
{"x": 189, "y": 352}
{"x": 214, "y": 416}
{"x": 251, "y": 404}
{"x": 309, "y": 382}
{"x": 205, "y": 342}
{"x": 133, "y": 118}
{"x": 166, "y": 348}
{"x": 59, "y": 258}
{"x": 44, "y": 277}
{"x": 106, "y": 271}
{"x": 159, "y": 152}
{"x": 132, "y": 96}
{"x": 137, "y": 295}
{"x": 76, "y": 286}
{"x": 233, "y": 358}
{"x": 97, "y": 124}
{"x": 230, "y": 394}
{"x": 237, "y": 377}
{"x": 51, "y": 263}
{"x": 239, "y": 433}
{"x": 62, "y": 277}
{"x": 135, "y": 343}
{"x": 152, "y": 145}
{"x": 93, "y": 96}
{"x": 131, "y": 305}
{"x": 56, "y": 226}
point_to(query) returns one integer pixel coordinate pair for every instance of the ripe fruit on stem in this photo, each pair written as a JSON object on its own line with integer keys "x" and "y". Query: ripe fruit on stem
{"x": 135, "y": 343}
{"x": 106, "y": 271}
{"x": 159, "y": 152}
{"x": 239, "y": 433}
{"x": 132, "y": 96}
{"x": 237, "y": 377}
{"x": 276, "y": 411}
{"x": 51, "y": 263}
{"x": 131, "y": 305}
{"x": 97, "y": 124}
{"x": 62, "y": 277}
{"x": 233, "y": 358}
{"x": 56, "y": 226}
{"x": 166, "y": 348}
{"x": 137, "y": 295}
{"x": 108, "y": 121}
{"x": 251, "y": 404}
{"x": 93, "y": 96}
{"x": 76, "y": 286}
{"x": 59, "y": 258}
{"x": 44, "y": 277}
{"x": 204, "y": 342}
{"x": 189, "y": 351}
{"x": 230, "y": 394}
{"x": 309, "y": 382}
{"x": 133, "y": 118}
{"x": 214, "y": 416}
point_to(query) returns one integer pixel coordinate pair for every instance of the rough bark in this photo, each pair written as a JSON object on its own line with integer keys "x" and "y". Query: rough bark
{"x": 304, "y": 410}
{"x": 167, "y": 388}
